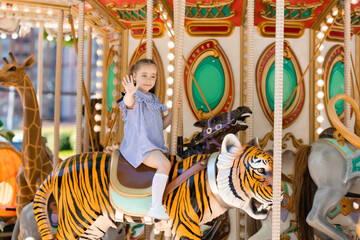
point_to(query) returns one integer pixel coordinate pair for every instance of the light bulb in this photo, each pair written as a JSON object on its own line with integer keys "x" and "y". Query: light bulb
{"x": 320, "y": 94}
{"x": 329, "y": 19}
{"x": 98, "y": 95}
{"x": 99, "y": 85}
{"x": 320, "y": 83}
{"x": 319, "y": 71}
{"x": 171, "y": 44}
{"x": 170, "y": 56}
{"x": 99, "y": 74}
{"x": 324, "y": 27}
{"x": 97, "y": 117}
{"x": 165, "y": 15}
{"x": 320, "y": 119}
{"x": 320, "y": 59}
{"x": 319, "y": 130}
{"x": 99, "y": 41}
{"x": 335, "y": 11}
{"x": 169, "y": 104}
{"x": 170, "y": 68}
{"x": 98, "y": 106}
{"x": 67, "y": 38}
{"x": 320, "y": 35}
{"x": 169, "y": 92}
{"x": 170, "y": 80}
{"x": 320, "y": 106}
{"x": 14, "y": 35}
{"x": 321, "y": 47}
{"x": 99, "y": 63}
{"x": 99, "y": 52}
{"x": 97, "y": 128}
{"x": 50, "y": 38}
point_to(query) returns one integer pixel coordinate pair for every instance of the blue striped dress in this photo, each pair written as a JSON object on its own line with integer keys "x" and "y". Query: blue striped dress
{"x": 143, "y": 128}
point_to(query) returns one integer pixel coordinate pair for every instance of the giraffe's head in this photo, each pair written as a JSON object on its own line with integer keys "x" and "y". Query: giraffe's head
{"x": 11, "y": 74}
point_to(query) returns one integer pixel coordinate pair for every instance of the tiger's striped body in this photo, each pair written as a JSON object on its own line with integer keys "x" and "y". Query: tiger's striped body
{"x": 80, "y": 188}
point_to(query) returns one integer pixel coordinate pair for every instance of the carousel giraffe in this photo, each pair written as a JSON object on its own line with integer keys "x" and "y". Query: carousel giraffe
{"x": 35, "y": 156}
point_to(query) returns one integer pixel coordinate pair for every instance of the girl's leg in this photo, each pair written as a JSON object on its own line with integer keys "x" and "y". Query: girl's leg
{"x": 157, "y": 160}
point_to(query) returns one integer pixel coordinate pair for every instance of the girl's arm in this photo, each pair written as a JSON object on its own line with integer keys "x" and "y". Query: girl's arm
{"x": 130, "y": 89}
{"x": 167, "y": 120}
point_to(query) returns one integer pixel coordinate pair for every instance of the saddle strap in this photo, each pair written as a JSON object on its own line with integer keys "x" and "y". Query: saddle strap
{"x": 184, "y": 176}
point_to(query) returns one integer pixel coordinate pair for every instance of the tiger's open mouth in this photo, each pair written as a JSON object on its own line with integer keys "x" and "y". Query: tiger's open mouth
{"x": 258, "y": 207}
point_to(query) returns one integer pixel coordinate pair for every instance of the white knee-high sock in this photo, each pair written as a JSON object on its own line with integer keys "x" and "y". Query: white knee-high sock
{"x": 158, "y": 187}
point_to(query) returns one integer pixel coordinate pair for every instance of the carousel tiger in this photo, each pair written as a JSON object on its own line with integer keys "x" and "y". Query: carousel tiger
{"x": 238, "y": 176}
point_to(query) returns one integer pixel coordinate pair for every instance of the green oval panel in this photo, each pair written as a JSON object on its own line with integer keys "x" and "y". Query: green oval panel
{"x": 289, "y": 84}
{"x": 336, "y": 85}
{"x": 110, "y": 86}
{"x": 209, "y": 74}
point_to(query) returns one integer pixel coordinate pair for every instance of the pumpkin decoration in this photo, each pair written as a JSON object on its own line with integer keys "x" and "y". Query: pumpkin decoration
{"x": 10, "y": 162}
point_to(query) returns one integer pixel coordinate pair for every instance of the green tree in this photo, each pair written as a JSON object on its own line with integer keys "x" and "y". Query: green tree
{"x": 8, "y": 135}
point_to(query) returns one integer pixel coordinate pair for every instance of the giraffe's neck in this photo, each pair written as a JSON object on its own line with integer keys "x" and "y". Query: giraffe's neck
{"x": 34, "y": 157}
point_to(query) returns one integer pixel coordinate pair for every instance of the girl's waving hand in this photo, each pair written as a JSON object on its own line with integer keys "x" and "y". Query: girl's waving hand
{"x": 130, "y": 85}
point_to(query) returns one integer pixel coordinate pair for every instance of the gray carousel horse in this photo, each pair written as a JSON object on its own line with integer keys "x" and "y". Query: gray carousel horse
{"x": 325, "y": 172}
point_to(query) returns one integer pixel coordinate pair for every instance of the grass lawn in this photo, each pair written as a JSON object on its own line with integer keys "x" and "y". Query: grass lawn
{"x": 67, "y": 138}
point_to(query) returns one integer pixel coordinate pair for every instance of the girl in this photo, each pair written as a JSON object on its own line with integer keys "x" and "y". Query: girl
{"x": 143, "y": 129}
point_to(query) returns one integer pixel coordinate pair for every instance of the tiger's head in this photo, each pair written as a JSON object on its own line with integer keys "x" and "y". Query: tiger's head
{"x": 245, "y": 177}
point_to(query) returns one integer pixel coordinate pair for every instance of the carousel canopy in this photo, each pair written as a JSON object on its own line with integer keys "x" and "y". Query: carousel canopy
{"x": 201, "y": 17}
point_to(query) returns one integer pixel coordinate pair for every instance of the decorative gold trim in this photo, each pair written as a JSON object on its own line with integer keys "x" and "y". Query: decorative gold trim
{"x": 123, "y": 72}
{"x": 357, "y": 61}
{"x": 296, "y": 25}
{"x": 321, "y": 17}
{"x": 334, "y": 38}
{"x": 168, "y": 9}
{"x": 243, "y": 84}
{"x": 216, "y": 52}
{"x": 208, "y": 7}
{"x": 137, "y": 13}
{"x": 269, "y": 11}
{"x": 264, "y": 63}
{"x": 230, "y": 25}
{"x": 296, "y": 142}
{"x": 104, "y": 110}
{"x": 354, "y": 16}
{"x": 44, "y": 4}
{"x": 288, "y": 136}
{"x": 142, "y": 26}
{"x": 332, "y": 57}
{"x": 141, "y": 53}
{"x": 106, "y": 13}
{"x": 313, "y": 100}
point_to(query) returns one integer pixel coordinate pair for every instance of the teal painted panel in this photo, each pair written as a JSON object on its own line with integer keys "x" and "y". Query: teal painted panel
{"x": 336, "y": 85}
{"x": 110, "y": 86}
{"x": 226, "y": 10}
{"x": 209, "y": 74}
{"x": 214, "y": 11}
{"x": 307, "y": 13}
{"x": 203, "y": 11}
{"x": 289, "y": 84}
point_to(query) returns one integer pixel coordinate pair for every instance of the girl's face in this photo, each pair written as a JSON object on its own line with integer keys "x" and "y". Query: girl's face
{"x": 145, "y": 77}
